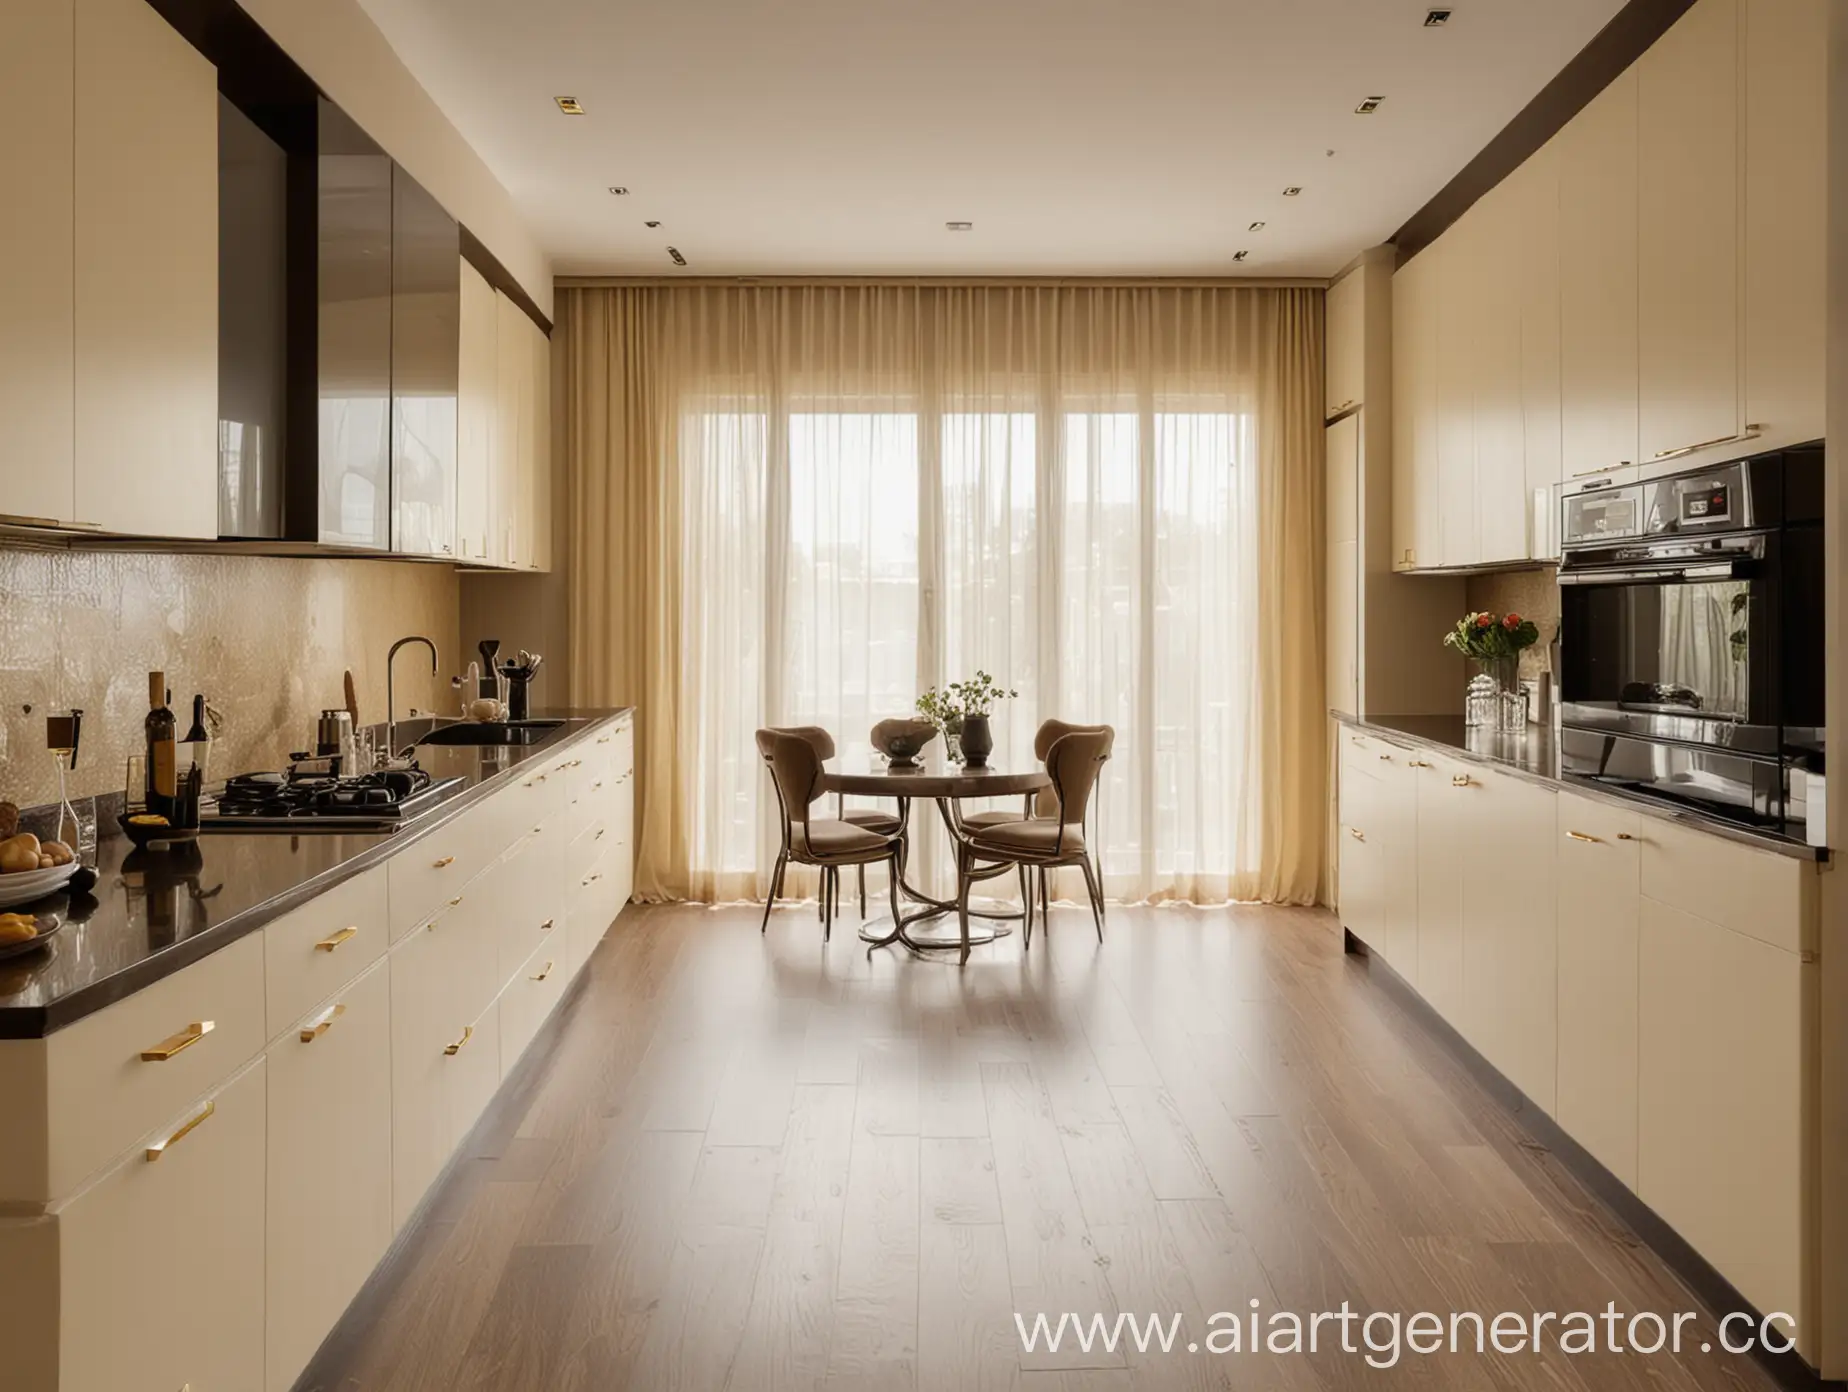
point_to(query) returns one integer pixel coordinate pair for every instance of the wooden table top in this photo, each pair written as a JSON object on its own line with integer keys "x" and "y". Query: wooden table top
{"x": 936, "y": 781}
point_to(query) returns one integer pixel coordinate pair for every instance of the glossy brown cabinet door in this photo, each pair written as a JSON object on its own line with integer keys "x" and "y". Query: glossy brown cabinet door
{"x": 426, "y": 297}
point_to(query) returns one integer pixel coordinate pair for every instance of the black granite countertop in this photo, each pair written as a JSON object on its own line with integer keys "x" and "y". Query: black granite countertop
{"x": 153, "y": 913}
{"x": 1534, "y": 756}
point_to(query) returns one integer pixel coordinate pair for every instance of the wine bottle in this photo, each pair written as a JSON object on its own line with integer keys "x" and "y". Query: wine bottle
{"x": 163, "y": 780}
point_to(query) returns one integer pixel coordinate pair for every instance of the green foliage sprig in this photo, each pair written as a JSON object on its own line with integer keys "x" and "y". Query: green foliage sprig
{"x": 949, "y": 707}
{"x": 1490, "y": 637}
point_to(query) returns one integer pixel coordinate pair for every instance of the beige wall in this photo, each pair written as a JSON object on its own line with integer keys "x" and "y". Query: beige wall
{"x": 1533, "y": 594}
{"x": 266, "y": 639}
{"x": 339, "y": 46}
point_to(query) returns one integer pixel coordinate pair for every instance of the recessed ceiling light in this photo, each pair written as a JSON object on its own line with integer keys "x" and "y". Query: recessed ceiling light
{"x": 1368, "y": 106}
{"x": 1240, "y": 255}
{"x": 569, "y": 105}
{"x": 1292, "y": 190}
{"x": 959, "y": 226}
{"x": 675, "y": 256}
{"x": 1435, "y": 19}
{"x": 1255, "y": 227}
{"x": 619, "y": 190}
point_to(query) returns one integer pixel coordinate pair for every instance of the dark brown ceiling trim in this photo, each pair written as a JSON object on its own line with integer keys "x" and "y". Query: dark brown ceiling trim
{"x": 1617, "y": 45}
{"x": 476, "y": 253}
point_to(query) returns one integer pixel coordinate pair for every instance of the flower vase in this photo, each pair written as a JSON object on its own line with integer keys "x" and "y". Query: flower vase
{"x": 978, "y": 741}
{"x": 1495, "y": 700}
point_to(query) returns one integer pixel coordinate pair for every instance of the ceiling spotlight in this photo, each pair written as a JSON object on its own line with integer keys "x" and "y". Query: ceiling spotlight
{"x": 569, "y": 105}
{"x": 1368, "y": 106}
{"x": 674, "y": 255}
{"x": 619, "y": 190}
{"x": 651, "y": 223}
{"x": 1255, "y": 227}
{"x": 959, "y": 226}
{"x": 1436, "y": 19}
{"x": 1292, "y": 190}
{"x": 1240, "y": 255}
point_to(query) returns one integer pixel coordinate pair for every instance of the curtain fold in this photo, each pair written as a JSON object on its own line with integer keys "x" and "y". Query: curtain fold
{"x": 805, "y": 504}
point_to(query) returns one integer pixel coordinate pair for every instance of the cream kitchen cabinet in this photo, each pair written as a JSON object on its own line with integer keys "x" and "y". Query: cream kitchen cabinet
{"x": 329, "y": 1167}
{"x": 477, "y": 408}
{"x": 1688, "y": 262}
{"x": 1415, "y": 486}
{"x": 146, "y": 282}
{"x": 38, "y": 66}
{"x": 1459, "y": 272}
{"x": 1379, "y": 847}
{"x": 1534, "y": 191}
{"x": 1345, "y": 365}
{"x": 109, "y": 297}
{"x": 1727, "y": 1049}
{"x": 1358, "y": 864}
{"x": 1342, "y": 457}
{"x": 1446, "y": 802}
{"x": 1498, "y": 527}
{"x": 1599, "y": 926}
{"x": 538, "y": 463}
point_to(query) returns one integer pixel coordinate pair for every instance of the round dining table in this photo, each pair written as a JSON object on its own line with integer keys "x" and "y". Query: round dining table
{"x": 945, "y": 784}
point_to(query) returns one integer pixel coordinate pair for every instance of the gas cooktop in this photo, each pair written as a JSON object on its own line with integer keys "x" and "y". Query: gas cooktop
{"x": 300, "y": 801}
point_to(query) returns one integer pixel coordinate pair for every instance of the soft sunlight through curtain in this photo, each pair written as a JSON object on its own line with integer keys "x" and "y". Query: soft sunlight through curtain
{"x": 805, "y": 504}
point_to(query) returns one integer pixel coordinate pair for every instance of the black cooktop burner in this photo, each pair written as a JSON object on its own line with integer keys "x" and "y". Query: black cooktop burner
{"x": 299, "y": 801}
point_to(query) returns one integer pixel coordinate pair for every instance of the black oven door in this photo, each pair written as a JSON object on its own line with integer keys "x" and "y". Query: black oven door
{"x": 1682, "y": 651}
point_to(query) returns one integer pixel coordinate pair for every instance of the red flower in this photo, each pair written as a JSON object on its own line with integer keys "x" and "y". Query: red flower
{"x": 1483, "y": 621}
{"x": 1513, "y": 621}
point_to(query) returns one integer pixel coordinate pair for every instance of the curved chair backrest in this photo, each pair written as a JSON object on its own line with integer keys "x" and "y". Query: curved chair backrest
{"x": 1073, "y": 763}
{"x": 796, "y": 767}
{"x": 822, "y": 741}
{"x": 1046, "y": 802}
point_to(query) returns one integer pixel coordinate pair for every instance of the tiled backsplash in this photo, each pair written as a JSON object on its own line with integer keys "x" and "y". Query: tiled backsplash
{"x": 1533, "y": 594}
{"x": 265, "y": 638}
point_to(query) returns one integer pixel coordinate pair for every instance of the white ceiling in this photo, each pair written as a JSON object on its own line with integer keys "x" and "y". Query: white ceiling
{"x": 1081, "y": 137}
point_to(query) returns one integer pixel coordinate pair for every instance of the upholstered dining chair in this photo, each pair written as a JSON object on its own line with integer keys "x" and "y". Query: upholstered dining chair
{"x": 1073, "y": 762}
{"x": 885, "y": 823}
{"x": 827, "y": 843}
{"x": 1040, "y": 804}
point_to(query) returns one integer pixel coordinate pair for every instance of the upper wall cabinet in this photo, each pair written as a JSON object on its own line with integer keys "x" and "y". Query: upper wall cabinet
{"x": 1688, "y": 264}
{"x": 108, "y": 271}
{"x": 1644, "y": 294}
{"x": 476, "y": 415}
{"x": 1344, "y": 385}
{"x": 426, "y": 298}
{"x": 504, "y": 492}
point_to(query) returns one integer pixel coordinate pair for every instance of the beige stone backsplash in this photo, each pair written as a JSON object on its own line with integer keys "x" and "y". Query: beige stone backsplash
{"x": 1533, "y": 594}
{"x": 266, "y": 639}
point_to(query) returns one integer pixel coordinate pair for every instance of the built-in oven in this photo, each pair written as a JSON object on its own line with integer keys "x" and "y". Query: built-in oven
{"x": 1691, "y": 637}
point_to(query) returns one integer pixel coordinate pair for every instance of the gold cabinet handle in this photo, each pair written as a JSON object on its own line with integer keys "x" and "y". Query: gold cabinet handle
{"x": 160, "y": 1148}
{"x": 598, "y": 784}
{"x": 592, "y": 879}
{"x": 1586, "y": 836}
{"x": 569, "y": 763}
{"x": 1751, "y": 432}
{"x": 1625, "y": 836}
{"x": 1461, "y": 780}
{"x": 1343, "y": 406}
{"x": 178, "y": 1043}
{"x": 599, "y": 835}
{"x": 453, "y": 902}
{"x": 1355, "y": 834}
{"x": 323, "y": 1022}
{"x": 346, "y": 934}
{"x": 444, "y": 863}
{"x": 546, "y": 927}
{"x": 1419, "y": 763}
{"x": 451, "y": 1050}
{"x": 1385, "y": 758}
{"x": 604, "y": 739}
{"x": 543, "y": 973}
{"x": 1606, "y": 468}
{"x": 531, "y": 781}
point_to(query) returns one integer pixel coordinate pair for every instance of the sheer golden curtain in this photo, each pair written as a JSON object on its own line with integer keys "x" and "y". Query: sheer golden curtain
{"x": 799, "y": 504}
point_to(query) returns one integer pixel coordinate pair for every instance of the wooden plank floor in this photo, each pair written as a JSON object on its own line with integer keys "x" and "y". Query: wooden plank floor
{"x": 755, "y": 1163}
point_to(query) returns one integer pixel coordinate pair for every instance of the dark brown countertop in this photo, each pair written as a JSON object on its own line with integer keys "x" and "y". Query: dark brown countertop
{"x": 151, "y": 914}
{"x": 1535, "y": 757}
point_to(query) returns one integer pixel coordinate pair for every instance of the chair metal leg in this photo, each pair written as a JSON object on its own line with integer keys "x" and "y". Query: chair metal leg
{"x": 862, "y": 870}
{"x": 897, "y": 874}
{"x": 1045, "y": 901}
{"x": 827, "y": 903}
{"x": 963, "y": 881}
{"x": 1026, "y": 907}
{"x": 1097, "y": 897}
{"x": 776, "y": 883}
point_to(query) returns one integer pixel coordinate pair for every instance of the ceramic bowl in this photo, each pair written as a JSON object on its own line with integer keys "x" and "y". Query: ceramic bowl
{"x": 24, "y": 886}
{"x": 902, "y": 740}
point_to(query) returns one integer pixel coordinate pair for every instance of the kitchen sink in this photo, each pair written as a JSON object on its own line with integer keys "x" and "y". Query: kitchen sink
{"x": 492, "y": 732}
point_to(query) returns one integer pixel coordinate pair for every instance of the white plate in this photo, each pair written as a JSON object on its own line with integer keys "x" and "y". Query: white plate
{"x": 24, "y": 886}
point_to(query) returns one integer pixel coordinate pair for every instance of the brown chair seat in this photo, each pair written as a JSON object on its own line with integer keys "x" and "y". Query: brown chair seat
{"x": 1038, "y": 836}
{"x": 884, "y": 823}
{"x": 827, "y": 837}
{"x": 975, "y": 821}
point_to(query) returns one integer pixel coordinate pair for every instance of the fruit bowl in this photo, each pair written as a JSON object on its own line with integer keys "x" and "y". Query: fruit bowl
{"x": 23, "y": 886}
{"x": 47, "y": 925}
{"x": 145, "y": 836}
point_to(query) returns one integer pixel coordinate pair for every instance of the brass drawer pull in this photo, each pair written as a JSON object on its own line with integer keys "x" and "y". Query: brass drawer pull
{"x": 346, "y": 934}
{"x": 599, "y": 835}
{"x": 1751, "y": 432}
{"x": 1620, "y": 464}
{"x": 1625, "y": 836}
{"x": 160, "y": 1148}
{"x": 178, "y": 1043}
{"x": 546, "y": 927}
{"x": 604, "y": 739}
{"x": 1461, "y": 780}
{"x": 543, "y": 974}
{"x": 1385, "y": 758}
{"x": 451, "y": 1050}
{"x": 1355, "y": 834}
{"x": 598, "y": 784}
{"x": 453, "y": 902}
{"x": 444, "y": 863}
{"x": 322, "y": 1023}
{"x": 540, "y": 779}
{"x": 1418, "y": 763}
{"x": 1586, "y": 836}
{"x": 594, "y": 878}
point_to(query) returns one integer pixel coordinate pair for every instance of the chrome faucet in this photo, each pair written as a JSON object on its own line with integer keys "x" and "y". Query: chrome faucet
{"x": 391, "y": 705}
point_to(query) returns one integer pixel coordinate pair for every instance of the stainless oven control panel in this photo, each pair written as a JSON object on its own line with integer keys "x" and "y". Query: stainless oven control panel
{"x": 1708, "y": 500}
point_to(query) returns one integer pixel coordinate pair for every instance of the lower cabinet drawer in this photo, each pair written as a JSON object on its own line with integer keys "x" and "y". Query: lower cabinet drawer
{"x": 162, "y": 1259}
{"x": 310, "y": 953}
{"x": 471, "y": 1074}
{"x": 123, "y": 1071}
{"x": 529, "y": 902}
{"x": 530, "y": 997}
{"x": 329, "y": 1164}
{"x": 426, "y": 875}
